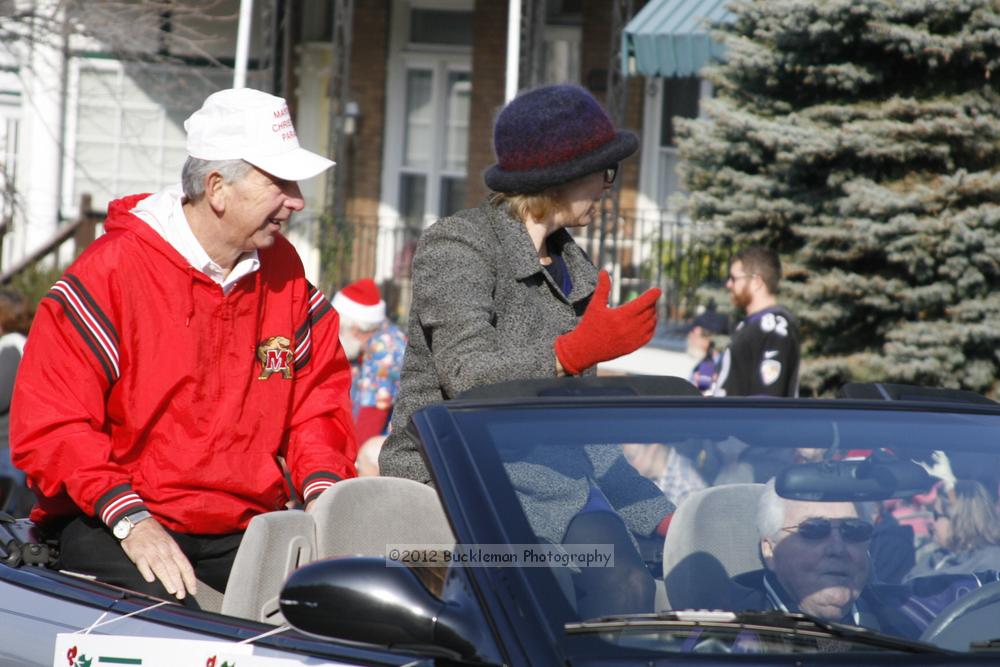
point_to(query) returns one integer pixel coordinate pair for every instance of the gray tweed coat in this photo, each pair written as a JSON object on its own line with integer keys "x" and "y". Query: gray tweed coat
{"x": 484, "y": 311}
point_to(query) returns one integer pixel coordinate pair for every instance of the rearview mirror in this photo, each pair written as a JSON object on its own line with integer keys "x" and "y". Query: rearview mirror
{"x": 364, "y": 599}
{"x": 852, "y": 481}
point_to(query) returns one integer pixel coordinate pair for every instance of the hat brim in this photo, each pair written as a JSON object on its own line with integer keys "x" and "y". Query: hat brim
{"x": 535, "y": 180}
{"x": 295, "y": 165}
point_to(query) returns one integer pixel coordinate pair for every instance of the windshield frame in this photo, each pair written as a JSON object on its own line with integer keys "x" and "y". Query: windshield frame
{"x": 483, "y": 508}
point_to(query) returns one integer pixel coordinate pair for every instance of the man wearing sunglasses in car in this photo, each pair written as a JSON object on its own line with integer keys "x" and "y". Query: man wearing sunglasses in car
{"x": 816, "y": 561}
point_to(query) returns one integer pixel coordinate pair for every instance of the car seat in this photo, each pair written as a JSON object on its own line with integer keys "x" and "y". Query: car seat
{"x": 712, "y": 538}
{"x": 360, "y": 516}
{"x": 355, "y": 517}
{"x": 273, "y": 546}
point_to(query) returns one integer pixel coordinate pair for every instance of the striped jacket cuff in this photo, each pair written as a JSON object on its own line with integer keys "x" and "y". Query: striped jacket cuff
{"x": 118, "y": 502}
{"x": 317, "y": 483}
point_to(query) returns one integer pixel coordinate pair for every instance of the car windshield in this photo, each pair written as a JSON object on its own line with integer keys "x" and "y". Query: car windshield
{"x": 842, "y": 515}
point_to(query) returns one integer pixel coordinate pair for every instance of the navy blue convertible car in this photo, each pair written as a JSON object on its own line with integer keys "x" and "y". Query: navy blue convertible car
{"x": 605, "y": 521}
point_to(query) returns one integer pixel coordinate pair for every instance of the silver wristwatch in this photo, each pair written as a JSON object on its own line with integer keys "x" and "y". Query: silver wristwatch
{"x": 125, "y": 525}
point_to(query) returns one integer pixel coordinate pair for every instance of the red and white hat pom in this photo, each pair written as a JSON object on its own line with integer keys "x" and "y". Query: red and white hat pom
{"x": 360, "y": 302}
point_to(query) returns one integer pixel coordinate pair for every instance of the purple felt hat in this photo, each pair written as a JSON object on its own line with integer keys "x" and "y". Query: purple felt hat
{"x": 552, "y": 135}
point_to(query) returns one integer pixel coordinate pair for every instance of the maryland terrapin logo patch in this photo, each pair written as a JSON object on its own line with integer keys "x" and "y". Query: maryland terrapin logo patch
{"x": 275, "y": 356}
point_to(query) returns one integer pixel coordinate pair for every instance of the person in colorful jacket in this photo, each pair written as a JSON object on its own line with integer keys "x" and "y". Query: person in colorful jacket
{"x": 375, "y": 347}
{"x": 181, "y": 360}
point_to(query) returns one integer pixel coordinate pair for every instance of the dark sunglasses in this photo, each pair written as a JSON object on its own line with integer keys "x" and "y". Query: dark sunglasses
{"x": 851, "y": 530}
{"x": 610, "y": 174}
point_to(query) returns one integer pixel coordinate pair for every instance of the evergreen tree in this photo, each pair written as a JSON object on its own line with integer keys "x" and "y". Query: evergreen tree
{"x": 861, "y": 139}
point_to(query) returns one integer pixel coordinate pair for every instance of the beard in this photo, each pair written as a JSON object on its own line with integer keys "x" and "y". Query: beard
{"x": 352, "y": 345}
{"x": 741, "y": 299}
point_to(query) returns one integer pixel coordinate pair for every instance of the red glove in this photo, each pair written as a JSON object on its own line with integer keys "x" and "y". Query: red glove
{"x": 664, "y": 525}
{"x": 607, "y": 333}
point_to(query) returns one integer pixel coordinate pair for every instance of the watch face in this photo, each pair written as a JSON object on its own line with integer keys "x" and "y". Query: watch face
{"x": 122, "y": 529}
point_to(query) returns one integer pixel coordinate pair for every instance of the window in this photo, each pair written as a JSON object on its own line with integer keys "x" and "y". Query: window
{"x": 432, "y": 181}
{"x": 129, "y": 126}
{"x": 562, "y": 53}
{"x": 428, "y": 95}
{"x": 680, "y": 100}
{"x": 435, "y": 26}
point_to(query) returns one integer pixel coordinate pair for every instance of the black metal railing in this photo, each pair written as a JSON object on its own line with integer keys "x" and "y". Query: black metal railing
{"x": 647, "y": 249}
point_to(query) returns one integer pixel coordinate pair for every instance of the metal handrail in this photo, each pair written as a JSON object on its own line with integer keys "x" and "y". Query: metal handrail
{"x": 82, "y": 230}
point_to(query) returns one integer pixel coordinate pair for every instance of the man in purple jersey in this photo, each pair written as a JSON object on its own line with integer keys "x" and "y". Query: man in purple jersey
{"x": 763, "y": 356}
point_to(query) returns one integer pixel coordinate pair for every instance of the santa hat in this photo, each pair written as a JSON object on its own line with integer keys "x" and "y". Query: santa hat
{"x": 360, "y": 302}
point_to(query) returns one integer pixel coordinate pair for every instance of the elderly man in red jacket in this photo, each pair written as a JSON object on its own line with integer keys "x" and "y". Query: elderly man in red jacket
{"x": 179, "y": 358}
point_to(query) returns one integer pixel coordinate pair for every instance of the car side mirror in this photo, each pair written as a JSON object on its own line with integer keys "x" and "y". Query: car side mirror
{"x": 365, "y": 599}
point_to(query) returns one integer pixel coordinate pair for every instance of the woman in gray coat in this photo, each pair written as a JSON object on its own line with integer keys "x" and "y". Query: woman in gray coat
{"x": 502, "y": 292}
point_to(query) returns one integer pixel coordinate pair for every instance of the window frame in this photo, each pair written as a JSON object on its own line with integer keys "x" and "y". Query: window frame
{"x": 650, "y": 198}
{"x": 404, "y": 57}
{"x": 115, "y": 105}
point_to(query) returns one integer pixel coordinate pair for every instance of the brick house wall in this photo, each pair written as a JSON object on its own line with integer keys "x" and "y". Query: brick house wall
{"x": 368, "y": 77}
{"x": 488, "y": 72}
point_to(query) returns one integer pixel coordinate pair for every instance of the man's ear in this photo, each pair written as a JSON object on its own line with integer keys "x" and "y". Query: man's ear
{"x": 215, "y": 192}
{"x": 767, "y": 552}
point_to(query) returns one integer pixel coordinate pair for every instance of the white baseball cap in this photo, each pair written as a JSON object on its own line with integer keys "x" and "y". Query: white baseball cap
{"x": 247, "y": 124}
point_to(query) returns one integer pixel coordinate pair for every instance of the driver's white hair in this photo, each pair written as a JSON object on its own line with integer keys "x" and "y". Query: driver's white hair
{"x": 770, "y": 511}
{"x": 196, "y": 170}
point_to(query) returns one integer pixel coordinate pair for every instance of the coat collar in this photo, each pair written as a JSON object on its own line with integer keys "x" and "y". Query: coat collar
{"x": 516, "y": 246}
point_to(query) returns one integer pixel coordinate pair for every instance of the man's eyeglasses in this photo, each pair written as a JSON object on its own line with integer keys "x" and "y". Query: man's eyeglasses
{"x": 610, "y": 174}
{"x": 851, "y": 530}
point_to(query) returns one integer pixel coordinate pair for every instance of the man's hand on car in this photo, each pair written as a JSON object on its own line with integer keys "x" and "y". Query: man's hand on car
{"x": 157, "y": 556}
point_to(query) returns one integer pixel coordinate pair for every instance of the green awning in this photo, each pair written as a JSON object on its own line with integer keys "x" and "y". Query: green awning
{"x": 670, "y": 37}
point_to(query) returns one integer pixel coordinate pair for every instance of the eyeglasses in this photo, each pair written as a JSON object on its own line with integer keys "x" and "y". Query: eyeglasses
{"x": 940, "y": 513}
{"x": 851, "y": 530}
{"x": 610, "y": 174}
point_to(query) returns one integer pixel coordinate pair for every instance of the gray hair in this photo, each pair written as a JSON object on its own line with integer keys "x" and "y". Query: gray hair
{"x": 770, "y": 511}
{"x": 196, "y": 170}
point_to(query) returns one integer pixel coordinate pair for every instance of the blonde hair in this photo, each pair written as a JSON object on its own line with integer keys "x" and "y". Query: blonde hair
{"x": 974, "y": 519}
{"x": 521, "y": 206}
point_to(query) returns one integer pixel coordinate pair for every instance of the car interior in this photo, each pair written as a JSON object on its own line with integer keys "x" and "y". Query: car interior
{"x": 701, "y": 553}
{"x": 357, "y": 517}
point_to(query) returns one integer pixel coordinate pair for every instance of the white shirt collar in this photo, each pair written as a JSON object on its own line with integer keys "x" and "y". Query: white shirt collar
{"x": 164, "y": 212}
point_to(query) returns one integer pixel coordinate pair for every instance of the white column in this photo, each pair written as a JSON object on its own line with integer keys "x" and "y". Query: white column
{"x": 40, "y": 155}
{"x": 243, "y": 44}
{"x": 513, "y": 49}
